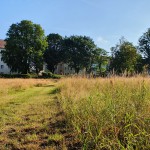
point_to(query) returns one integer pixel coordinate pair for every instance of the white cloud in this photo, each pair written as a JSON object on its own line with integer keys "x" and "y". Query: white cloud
{"x": 100, "y": 40}
{"x": 103, "y": 43}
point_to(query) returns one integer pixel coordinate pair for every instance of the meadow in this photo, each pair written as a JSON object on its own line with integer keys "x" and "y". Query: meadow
{"x": 75, "y": 113}
{"x": 27, "y": 109}
{"x": 108, "y": 114}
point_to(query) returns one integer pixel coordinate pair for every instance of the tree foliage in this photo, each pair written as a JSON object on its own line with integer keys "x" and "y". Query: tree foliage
{"x": 79, "y": 51}
{"x": 124, "y": 57}
{"x": 53, "y": 54}
{"x": 144, "y": 47}
{"x": 25, "y": 45}
{"x": 101, "y": 59}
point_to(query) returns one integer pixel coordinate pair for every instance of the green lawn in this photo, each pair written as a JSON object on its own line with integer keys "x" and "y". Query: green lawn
{"x": 29, "y": 119}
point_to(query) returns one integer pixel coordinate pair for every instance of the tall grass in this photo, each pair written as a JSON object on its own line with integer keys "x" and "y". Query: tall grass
{"x": 108, "y": 114}
{"x": 12, "y": 85}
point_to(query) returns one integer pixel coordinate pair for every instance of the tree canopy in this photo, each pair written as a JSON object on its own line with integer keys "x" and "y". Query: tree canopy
{"x": 79, "y": 51}
{"x": 53, "y": 54}
{"x": 101, "y": 59}
{"x": 124, "y": 57}
{"x": 25, "y": 46}
{"x": 144, "y": 47}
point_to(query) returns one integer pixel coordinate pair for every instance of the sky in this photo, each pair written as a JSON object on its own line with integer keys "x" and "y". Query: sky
{"x": 105, "y": 21}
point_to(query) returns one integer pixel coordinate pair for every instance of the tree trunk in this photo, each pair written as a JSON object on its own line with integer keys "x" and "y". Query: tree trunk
{"x": 77, "y": 70}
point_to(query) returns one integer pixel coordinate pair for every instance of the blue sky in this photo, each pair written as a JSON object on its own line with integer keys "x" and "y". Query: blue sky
{"x": 105, "y": 21}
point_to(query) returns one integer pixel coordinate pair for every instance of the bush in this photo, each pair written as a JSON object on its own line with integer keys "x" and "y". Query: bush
{"x": 15, "y": 76}
{"x": 26, "y": 76}
{"x": 50, "y": 75}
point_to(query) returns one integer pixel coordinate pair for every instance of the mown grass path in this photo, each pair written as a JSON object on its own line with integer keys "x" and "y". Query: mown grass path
{"x": 32, "y": 119}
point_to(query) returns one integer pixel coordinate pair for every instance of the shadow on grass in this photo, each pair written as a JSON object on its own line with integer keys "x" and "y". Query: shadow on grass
{"x": 41, "y": 85}
{"x": 55, "y": 91}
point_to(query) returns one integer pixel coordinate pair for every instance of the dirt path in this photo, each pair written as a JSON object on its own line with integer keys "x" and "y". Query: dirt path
{"x": 33, "y": 120}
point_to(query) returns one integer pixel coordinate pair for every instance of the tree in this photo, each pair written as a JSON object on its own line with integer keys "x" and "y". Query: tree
{"x": 101, "y": 58}
{"x": 79, "y": 51}
{"x": 25, "y": 46}
{"x": 53, "y": 54}
{"x": 139, "y": 68}
{"x": 144, "y": 47}
{"x": 124, "y": 57}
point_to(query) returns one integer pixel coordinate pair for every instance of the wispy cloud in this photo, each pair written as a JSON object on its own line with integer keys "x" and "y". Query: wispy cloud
{"x": 101, "y": 40}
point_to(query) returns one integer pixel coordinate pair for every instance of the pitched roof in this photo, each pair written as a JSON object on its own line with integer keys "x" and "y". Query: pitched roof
{"x": 2, "y": 44}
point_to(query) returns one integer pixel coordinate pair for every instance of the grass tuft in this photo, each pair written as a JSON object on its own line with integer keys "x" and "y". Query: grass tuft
{"x": 55, "y": 138}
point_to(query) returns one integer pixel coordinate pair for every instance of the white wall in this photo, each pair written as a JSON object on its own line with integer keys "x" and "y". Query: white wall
{"x": 3, "y": 67}
{"x": 63, "y": 68}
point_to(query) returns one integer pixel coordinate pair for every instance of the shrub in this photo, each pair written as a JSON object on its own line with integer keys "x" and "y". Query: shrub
{"x": 15, "y": 76}
{"x": 26, "y": 76}
{"x": 50, "y": 75}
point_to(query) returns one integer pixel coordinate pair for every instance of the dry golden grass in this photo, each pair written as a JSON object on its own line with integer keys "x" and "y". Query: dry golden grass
{"x": 110, "y": 113}
{"x": 8, "y": 85}
{"x": 31, "y": 117}
{"x": 25, "y": 112}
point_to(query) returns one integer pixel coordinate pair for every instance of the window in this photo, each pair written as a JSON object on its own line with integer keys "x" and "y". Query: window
{"x": 2, "y": 66}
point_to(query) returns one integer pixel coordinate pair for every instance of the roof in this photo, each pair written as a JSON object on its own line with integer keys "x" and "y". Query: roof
{"x": 2, "y": 44}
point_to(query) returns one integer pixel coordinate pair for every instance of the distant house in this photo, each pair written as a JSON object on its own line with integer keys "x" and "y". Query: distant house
{"x": 4, "y": 69}
{"x": 63, "y": 68}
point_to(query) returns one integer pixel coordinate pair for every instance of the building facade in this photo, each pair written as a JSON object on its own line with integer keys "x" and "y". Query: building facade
{"x": 64, "y": 69}
{"x": 4, "y": 69}
{"x": 61, "y": 68}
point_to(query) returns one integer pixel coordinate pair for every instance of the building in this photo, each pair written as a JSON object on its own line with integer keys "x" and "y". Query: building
{"x": 64, "y": 69}
{"x": 61, "y": 68}
{"x": 4, "y": 69}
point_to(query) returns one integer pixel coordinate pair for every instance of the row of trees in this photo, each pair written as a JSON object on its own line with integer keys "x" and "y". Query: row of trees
{"x": 27, "y": 48}
{"x": 77, "y": 51}
{"x": 129, "y": 58}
